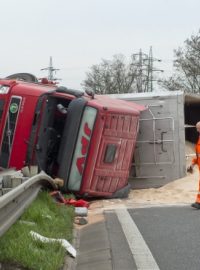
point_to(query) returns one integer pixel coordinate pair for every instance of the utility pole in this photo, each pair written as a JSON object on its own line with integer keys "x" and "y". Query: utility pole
{"x": 51, "y": 70}
{"x": 150, "y": 71}
{"x": 140, "y": 71}
{"x": 141, "y": 65}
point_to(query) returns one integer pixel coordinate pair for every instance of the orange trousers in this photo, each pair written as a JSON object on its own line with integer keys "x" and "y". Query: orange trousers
{"x": 198, "y": 193}
{"x": 196, "y": 161}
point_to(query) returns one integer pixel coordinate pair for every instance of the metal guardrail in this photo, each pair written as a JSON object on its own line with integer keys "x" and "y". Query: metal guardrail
{"x": 13, "y": 203}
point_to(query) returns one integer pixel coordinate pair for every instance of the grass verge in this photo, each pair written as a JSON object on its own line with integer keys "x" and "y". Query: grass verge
{"x": 45, "y": 217}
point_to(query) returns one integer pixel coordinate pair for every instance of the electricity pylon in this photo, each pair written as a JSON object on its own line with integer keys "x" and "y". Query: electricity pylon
{"x": 51, "y": 71}
{"x": 145, "y": 71}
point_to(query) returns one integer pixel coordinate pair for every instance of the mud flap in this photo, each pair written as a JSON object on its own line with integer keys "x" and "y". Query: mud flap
{"x": 121, "y": 193}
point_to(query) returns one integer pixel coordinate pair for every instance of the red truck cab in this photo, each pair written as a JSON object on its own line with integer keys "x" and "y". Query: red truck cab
{"x": 87, "y": 141}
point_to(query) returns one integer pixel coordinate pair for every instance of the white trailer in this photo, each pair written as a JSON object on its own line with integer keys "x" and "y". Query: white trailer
{"x": 160, "y": 148}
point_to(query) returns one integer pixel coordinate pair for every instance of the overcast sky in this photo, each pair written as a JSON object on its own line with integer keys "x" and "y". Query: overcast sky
{"x": 79, "y": 33}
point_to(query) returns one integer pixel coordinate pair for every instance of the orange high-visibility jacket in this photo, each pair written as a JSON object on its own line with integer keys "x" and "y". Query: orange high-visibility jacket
{"x": 196, "y": 160}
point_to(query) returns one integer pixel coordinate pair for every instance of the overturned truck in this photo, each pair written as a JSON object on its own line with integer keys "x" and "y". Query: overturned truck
{"x": 86, "y": 140}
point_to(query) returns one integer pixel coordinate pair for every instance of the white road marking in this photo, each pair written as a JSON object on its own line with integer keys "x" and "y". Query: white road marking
{"x": 141, "y": 253}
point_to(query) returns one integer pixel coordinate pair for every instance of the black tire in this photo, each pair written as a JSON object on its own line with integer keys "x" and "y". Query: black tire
{"x": 27, "y": 77}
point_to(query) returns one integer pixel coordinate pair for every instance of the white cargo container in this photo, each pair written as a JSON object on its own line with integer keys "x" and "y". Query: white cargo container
{"x": 160, "y": 149}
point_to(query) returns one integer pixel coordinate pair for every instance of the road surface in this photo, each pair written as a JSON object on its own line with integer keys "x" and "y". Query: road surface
{"x": 166, "y": 238}
{"x": 153, "y": 238}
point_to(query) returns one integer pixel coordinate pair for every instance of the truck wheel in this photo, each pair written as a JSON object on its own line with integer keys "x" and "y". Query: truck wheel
{"x": 121, "y": 193}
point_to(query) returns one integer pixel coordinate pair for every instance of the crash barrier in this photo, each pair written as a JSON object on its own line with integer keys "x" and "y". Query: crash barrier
{"x": 14, "y": 202}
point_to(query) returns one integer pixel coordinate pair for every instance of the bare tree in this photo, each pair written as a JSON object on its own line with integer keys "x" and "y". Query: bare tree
{"x": 114, "y": 76}
{"x": 187, "y": 67}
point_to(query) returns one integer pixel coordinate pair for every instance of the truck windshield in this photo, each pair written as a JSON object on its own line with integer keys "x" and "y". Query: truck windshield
{"x": 60, "y": 138}
{"x": 81, "y": 149}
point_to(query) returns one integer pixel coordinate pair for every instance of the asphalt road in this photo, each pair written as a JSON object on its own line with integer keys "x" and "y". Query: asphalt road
{"x": 172, "y": 234}
{"x": 165, "y": 238}
{"x": 153, "y": 238}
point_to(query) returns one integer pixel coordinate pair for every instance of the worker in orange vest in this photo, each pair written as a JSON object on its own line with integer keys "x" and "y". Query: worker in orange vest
{"x": 196, "y": 161}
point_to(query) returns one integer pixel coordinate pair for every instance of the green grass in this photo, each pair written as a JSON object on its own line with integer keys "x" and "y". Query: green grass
{"x": 47, "y": 218}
